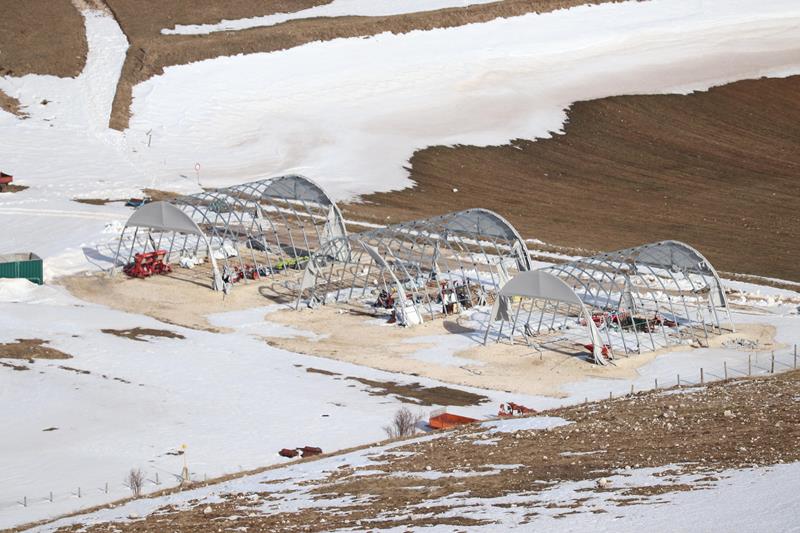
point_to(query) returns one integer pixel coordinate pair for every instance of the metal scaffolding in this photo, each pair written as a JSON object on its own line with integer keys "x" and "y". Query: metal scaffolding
{"x": 431, "y": 266}
{"x": 260, "y": 227}
{"x": 641, "y": 299}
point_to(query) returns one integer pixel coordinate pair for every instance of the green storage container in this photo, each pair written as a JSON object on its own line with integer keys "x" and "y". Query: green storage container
{"x": 27, "y": 266}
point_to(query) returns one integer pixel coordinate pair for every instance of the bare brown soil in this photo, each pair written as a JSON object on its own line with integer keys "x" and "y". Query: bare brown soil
{"x": 726, "y": 425}
{"x": 158, "y": 195}
{"x": 347, "y": 333}
{"x": 719, "y": 170}
{"x": 413, "y": 393}
{"x": 141, "y": 334}
{"x": 419, "y": 395}
{"x": 183, "y": 298}
{"x": 150, "y": 51}
{"x": 41, "y": 37}
{"x": 30, "y": 349}
{"x": 11, "y": 105}
{"x": 94, "y": 201}
{"x": 14, "y": 188}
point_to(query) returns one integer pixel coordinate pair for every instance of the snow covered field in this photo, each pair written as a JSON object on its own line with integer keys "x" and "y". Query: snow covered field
{"x": 757, "y": 499}
{"x": 348, "y": 113}
{"x": 351, "y": 112}
{"x": 234, "y": 400}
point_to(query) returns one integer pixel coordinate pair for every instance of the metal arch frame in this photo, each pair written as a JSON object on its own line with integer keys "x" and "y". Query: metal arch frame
{"x": 609, "y": 274}
{"x": 199, "y": 234}
{"x": 281, "y": 194}
{"x": 222, "y": 228}
{"x": 536, "y": 286}
{"x": 273, "y": 213}
{"x": 416, "y": 252}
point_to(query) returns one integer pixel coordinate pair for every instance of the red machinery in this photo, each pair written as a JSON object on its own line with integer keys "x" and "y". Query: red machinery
{"x": 305, "y": 451}
{"x": 146, "y": 264}
{"x": 514, "y": 409}
{"x": 441, "y": 419}
{"x": 606, "y": 351}
{"x": 5, "y": 181}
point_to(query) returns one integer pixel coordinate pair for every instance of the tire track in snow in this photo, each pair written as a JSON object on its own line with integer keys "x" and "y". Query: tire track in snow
{"x": 57, "y": 213}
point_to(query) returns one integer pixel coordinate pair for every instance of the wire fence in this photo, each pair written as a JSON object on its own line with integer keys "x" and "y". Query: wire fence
{"x": 759, "y": 363}
{"x": 104, "y": 493}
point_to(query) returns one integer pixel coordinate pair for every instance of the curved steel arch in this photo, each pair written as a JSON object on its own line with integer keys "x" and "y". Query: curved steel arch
{"x": 164, "y": 217}
{"x": 536, "y": 285}
{"x": 296, "y": 201}
{"x": 272, "y": 223}
{"x": 645, "y": 280}
{"x": 430, "y": 258}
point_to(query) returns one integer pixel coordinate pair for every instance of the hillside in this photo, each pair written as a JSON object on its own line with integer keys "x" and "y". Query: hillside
{"x": 718, "y": 169}
{"x": 589, "y": 463}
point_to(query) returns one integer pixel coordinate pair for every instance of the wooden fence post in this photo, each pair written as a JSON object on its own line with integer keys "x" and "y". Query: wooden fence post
{"x": 772, "y": 364}
{"x": 725, "y": 369}
{"x": 701, "y": 376}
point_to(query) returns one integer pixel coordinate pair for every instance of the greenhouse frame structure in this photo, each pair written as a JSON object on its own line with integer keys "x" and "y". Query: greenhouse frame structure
{"x": 432, "y": 266}
{"x": 641, "y": 299}
{"x": 263, "y": 226}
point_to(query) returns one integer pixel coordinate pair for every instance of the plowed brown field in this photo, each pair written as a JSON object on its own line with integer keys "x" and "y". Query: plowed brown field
{"x": 718, "y": 169}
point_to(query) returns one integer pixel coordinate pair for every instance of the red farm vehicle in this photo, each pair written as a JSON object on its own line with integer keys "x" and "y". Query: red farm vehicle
{"x": 147, "y": 264}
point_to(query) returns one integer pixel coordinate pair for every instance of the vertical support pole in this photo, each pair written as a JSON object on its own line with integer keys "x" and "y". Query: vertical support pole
{"x": 702, "y": 380}
{"x": 541, "y": 317}
{"x": 772, "y": 364}
{"x": 116, "y": 255}
{"x": 500, "y": 331}
{"x": 51, "y": 496}
{"x": 679, "y": 380}
{"x": 656, "y": 383}
{"x": 516, "y": 318}
{"x": 133, "y": 243}
{"x": 749, "y": 364}
{"x": 795, "y": 356}
{"x": 725, "y": 369}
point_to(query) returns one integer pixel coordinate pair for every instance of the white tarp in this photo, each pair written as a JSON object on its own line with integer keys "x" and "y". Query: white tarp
{"x": 163, "y": 216}
{"x": 540, "y": 285}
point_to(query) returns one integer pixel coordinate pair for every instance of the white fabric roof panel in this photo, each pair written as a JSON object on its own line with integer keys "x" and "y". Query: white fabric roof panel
{"x": 163, "y": 216}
